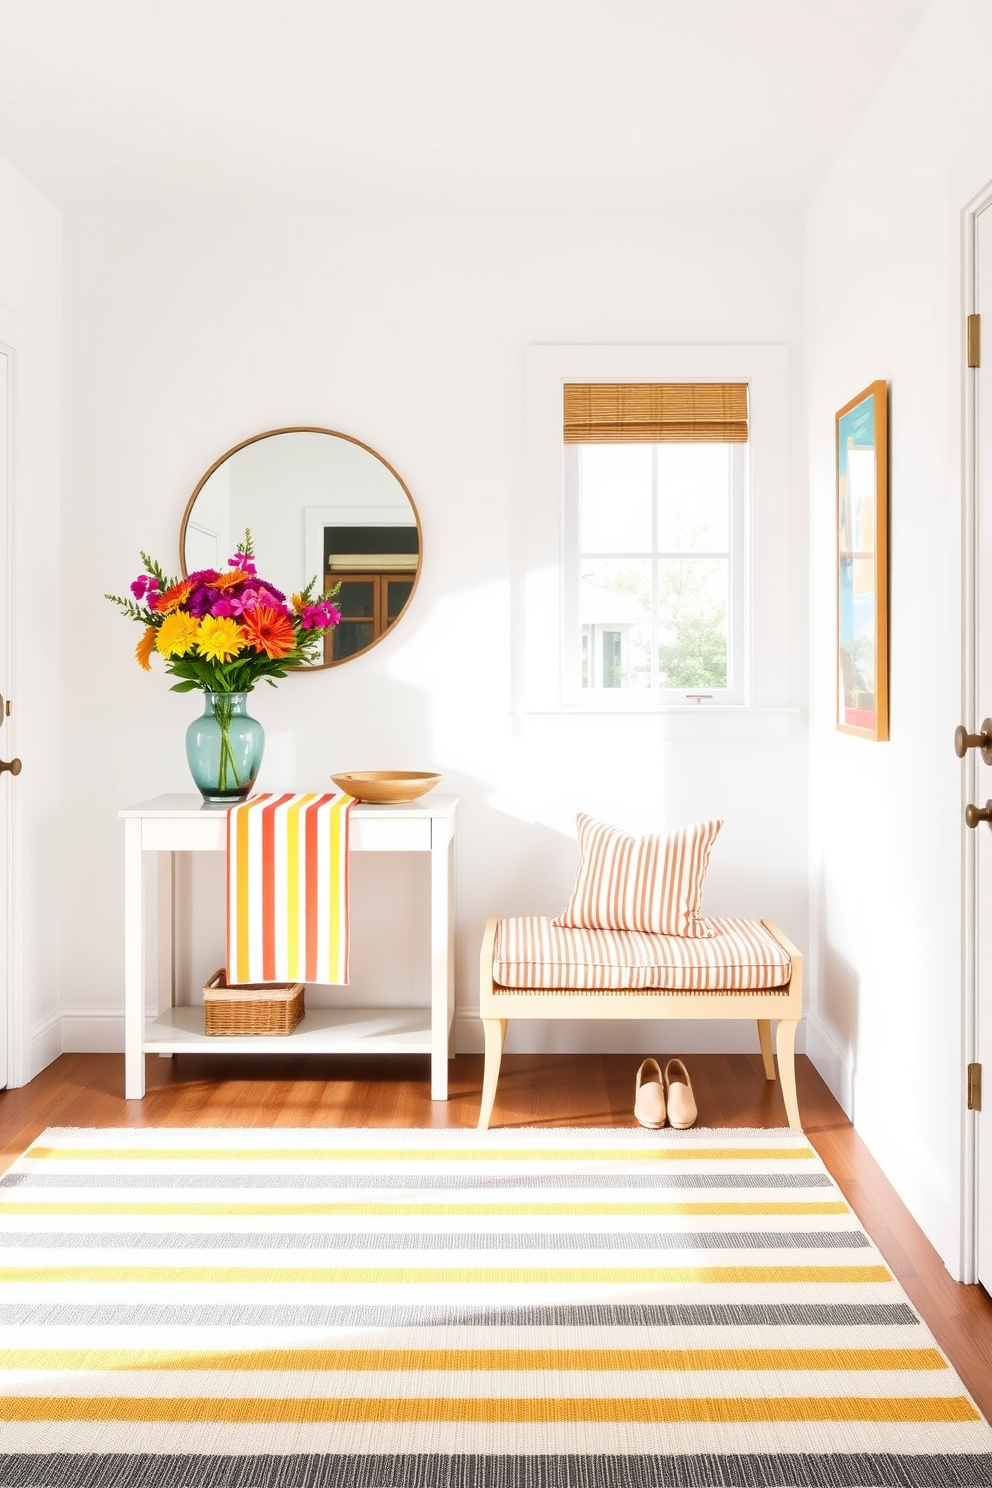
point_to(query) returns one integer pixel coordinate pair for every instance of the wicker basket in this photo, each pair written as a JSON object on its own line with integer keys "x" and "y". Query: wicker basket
{"x": 252, "y": 1007}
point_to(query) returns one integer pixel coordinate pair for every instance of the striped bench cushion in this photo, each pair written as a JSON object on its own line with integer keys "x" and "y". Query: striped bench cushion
{"x": 533, "y": 954}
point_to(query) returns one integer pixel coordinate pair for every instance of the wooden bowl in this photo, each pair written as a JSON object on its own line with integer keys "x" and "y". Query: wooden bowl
{"x": 386, "y": 787}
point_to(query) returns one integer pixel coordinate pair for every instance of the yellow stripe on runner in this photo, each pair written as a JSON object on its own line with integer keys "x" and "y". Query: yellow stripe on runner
{"x": 371, "y": 1360}
{"x": 616, "y": 1410}
{"x": 293, "y": 885}
{"x": 437, "y": 1275}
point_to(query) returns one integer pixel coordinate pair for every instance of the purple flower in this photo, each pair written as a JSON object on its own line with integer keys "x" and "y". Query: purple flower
{"x": 242, "y": 561}
{"x": 201, "y": 601}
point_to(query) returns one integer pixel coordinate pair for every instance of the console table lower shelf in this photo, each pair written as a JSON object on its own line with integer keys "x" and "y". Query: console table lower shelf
{"x": 167, "y": 825}
{"x": 179, "y": 1030}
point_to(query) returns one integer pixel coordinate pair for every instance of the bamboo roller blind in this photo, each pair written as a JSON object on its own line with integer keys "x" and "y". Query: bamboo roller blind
{"x": 655, "y": 412}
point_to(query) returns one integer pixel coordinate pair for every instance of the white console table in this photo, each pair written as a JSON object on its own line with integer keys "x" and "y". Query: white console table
{"x": 171, "y": 824}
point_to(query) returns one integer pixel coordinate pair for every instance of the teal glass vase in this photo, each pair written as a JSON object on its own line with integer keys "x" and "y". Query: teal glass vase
{"x": 224, "y": 747}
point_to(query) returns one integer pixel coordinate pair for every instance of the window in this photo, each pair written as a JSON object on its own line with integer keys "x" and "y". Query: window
{"x": 654, "y": 481}
{"x": 739, "y": 543}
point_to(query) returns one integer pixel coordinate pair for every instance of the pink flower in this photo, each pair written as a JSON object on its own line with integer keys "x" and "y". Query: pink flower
{"x": 242, "y": 561}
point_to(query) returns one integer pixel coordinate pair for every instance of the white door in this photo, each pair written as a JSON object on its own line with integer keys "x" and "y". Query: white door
{"x": 6, "y": 729}
{"x": 979, "y": 771}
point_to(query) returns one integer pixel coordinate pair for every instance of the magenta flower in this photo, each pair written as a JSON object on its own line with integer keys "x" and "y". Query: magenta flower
{"x": 322, "y": 615}
{"x": 242, "y": 561}
{"x": 144, "y": 585}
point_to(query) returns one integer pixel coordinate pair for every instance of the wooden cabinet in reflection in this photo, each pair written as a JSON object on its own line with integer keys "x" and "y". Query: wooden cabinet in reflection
{"x": 375, "y": 569}
{"x": 369, "y": 603}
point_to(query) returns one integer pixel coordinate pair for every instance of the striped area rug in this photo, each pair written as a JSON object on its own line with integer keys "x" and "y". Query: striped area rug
{"x": 452, "y": 1309}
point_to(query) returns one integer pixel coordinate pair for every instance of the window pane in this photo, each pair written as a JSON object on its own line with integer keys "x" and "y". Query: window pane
{"x": 615, "y": 611}
{"x": 615, "y": 481}
{"x": 356, "y": 597}
{"x": 350, "y": 637}
{"x": 398, "y": 591}
{"x": 694, "y": 498}
{"x": 692, "y": 622}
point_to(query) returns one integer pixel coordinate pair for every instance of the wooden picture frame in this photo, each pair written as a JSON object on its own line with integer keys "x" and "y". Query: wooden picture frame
{"x": 862, "y": 565}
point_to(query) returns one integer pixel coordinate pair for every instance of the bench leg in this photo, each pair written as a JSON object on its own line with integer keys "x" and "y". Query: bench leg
{"x": 765, "y": 1040}
{"x": 785, "y": 1043}
{"x": 495, "y": 1032}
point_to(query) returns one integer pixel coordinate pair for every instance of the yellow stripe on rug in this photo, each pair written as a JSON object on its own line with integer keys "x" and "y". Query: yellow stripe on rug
{"x": 688, "y": 1153}
{"x": 649, "y": 1208}
{"x": 536, "y": 1410}
{"x": 441, "y": 1275}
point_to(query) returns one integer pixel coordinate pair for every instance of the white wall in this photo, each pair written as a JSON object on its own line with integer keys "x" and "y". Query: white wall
{"x": 31, "y": 323}
{"x": 883, "y": 254}
{"x": 184, "y": 337}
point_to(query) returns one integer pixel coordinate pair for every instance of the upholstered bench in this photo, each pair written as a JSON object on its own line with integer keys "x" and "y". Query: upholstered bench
{"x": 532, "y": 968}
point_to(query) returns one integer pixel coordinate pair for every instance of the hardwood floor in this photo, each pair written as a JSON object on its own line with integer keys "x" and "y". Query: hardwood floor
{"x": 534, "y": 1089}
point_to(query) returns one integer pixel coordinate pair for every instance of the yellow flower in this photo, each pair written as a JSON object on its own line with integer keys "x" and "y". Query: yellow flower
{"x": 297, "y": 602}
{"x": 177, "y": 634}
{"x": 220, "y": 638}
{"x": 145, "y": 647}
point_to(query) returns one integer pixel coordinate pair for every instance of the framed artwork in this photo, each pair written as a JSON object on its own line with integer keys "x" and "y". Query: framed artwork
{"x": 862, "y": 565}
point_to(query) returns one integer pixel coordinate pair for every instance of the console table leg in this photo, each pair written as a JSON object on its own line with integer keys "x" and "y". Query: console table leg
{"x": 134, "y": 963}
{"x": 441, "y": 964}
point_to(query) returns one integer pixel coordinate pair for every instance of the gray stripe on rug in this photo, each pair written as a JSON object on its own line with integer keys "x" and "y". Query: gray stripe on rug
{"x": 458, "y": 1315}
{"x": 306, "y": 1470}
{"x": 460, "y": 1240}
{"x": 418, "y": 1181}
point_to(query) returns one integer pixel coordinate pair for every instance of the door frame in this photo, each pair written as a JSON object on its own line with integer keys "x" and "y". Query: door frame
{"x": 11, "y": 947}
{"x": 970, "y": 715}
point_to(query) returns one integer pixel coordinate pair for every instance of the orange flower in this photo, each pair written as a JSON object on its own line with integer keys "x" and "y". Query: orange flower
{"x": 269, "y": 630}
{"x": 166, "y": 603}
{"x": 228, "y": 580}
{"x": 145, "y": 647}
{"x": 177, "y": 634}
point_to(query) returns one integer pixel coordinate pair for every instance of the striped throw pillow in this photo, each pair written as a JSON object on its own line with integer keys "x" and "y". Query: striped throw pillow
{"x": 640, "y": 883}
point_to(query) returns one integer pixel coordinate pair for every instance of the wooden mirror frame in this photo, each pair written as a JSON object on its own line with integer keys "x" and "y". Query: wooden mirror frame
{"x": 336, "y": 434}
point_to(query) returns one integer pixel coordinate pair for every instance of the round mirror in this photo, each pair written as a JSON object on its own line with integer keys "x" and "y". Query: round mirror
{"x": 319, "y": 504}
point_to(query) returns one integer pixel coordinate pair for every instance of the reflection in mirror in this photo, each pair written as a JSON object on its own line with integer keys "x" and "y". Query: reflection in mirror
{"x": 319, "y": 504}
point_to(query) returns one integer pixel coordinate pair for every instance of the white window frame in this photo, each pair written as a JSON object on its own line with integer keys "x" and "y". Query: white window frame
{"x": 622, "y": 698}
{"x": 547, "y": 680}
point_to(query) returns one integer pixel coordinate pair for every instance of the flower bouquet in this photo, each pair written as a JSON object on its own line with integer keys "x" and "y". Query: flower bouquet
{"x": 220, "y": 633}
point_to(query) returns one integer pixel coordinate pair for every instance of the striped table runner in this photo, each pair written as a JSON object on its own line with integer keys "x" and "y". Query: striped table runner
{"x": 287, "y": 889}
{"x": 448, "y": 1309}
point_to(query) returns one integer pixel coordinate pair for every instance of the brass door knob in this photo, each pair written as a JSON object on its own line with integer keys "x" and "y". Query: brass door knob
{"x": 14, "y": 766}
{"x": 963, "y": 741}
{"x": 975, "y": 814}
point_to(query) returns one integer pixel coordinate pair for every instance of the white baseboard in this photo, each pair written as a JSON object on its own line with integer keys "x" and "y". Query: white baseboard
{"x": 832, "y": 1062}
{"x": 638, "y": 1036}
{"x": 44, "y": 1045}
{"x": 92, "y": 1031}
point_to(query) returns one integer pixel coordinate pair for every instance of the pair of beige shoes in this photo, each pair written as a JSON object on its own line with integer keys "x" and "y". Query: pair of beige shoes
{"x": 658, "y": 1097}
